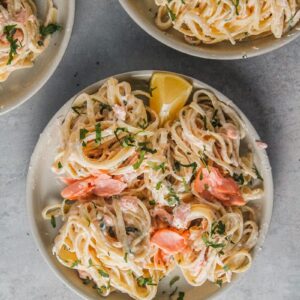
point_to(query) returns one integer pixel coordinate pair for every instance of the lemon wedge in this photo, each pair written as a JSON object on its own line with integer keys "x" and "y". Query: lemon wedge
{"x": 169, "y": 94}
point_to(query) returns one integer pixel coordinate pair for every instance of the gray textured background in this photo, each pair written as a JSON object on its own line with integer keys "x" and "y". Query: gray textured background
{"x": 106, "y": 42}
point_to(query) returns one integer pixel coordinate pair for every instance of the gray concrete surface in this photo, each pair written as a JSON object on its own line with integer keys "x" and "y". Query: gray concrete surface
{"x": 105, "y": 42}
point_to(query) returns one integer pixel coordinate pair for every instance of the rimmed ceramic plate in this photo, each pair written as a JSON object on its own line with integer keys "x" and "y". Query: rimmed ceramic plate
{"x": 43, "y": 189}
{"x": 143, "y": 13}
{"x": 23, "y": 84}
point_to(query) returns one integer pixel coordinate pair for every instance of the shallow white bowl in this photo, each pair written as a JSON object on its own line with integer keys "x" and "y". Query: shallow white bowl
{"x": 143, "y": 12}
{"x": 23, "y": 84}
{"x": 44, "y": 189}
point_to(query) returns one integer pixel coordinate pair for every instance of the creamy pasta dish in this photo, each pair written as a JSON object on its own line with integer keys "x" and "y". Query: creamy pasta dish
{"x": 214, "y": 21}
{"x": 22, "y": 36}
{"x": 143, "y": 197}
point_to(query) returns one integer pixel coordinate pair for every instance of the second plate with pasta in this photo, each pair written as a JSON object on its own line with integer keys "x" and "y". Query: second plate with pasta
{"x": 218, "y": 29}
{"x": 33, "y": 38}
{"x": 149, "y": 185}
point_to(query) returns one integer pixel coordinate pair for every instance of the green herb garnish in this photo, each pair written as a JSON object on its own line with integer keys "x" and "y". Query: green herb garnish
{"x": 192, "y": 165}
{"x": 257, "y": 173}
{"x": 218, "y": 227}
{"x": 10, "y": 31}
{"x": 104, "y": 106}
{"x": 158, "y": 185}
{"x": 126, "y": 257}
{"x": 219, "y": 282}
{"x": 49, "y": 29}
{"x": 236, "y": 5}
{"x": 53, "y": 221}
{"x": 139, "y": 162}
{"x": 98, "y": 133}
{"x": 210, "y": 243}
{"x": 157, "y": 167}
{"x": 75, "y": 263}
{"x": 180, "y": 296}
{"x": 173, "y": 292}
{"x": 86, "y": 281}
{"x": 152, "y": 202}
{"x": 239, "y": 178}
{"x": 226, "y": 268}
{"x": 215, "y": 122}
{"x": 103, "y": 273}
{"x": 173, "y": 280}
{"x": 143, "y": 281}
{"x": 59, "y": 165}
{"x": 82, "y": 133}
{"x": 143, "y": 124}
{"x": 172, "y": 197}
{"x": 171, "y": 14}
{"x": 143, "y": 146}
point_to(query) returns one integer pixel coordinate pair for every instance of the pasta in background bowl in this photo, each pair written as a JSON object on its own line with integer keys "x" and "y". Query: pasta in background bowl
{"x": 26, "y": 40}
{"x": 177, "y": 24}
{"x": 73, "y": 158}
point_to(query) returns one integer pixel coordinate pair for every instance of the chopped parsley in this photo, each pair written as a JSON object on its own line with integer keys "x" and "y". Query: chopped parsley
{"x": 86, "y": 281}
{"x": 172, "y": 197}
{"x": 82, "y": 133}
{"x": 158, "y": 185}
{"x": 90, "y": 262}
{"x": 77, "y": 109}
{"x": 192, "y": 165}
{"x": 257, "y": 173}
{"x": 173, "y": 292}
{"x": 239, "y": 178}
{"x": 210, "y": 243}
{"x": 98, "y": 133}
{"x": 127, "y": 140}
{"x": 152, "y": 202}
{"x": 215, "y": 122}
{"x": 104, "y": 106}
{"x": 157, "y": 167}
{"x": 141, "y": 159}
{"x": 143, "y": 146}
{"x": 126, "y": 257}
{"x": 174, "y": 279}
{"x": 103, "y": 273}
{"x": 59, "y": 165}
{"x": 219, "y": 282}
{"x": 143, "y": 124}
{"x": 49, "y": 29}
{"x": 180, "y": 296}
{"x": 10, "y": 31}
{"x": 75, "y": 263}
{"x": 143, "y": 281}
{"x": 226, "y": 268}
{"x": 204, "y": 159}
{"x": 171, "y": 13}
{"x": 218, "y": 227}
{"x": 236, "y": 5}
{"x": 53, "y": 221}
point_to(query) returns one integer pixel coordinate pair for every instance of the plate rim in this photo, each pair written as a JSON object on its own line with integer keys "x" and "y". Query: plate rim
{"x": 144, "y": 73}
{"x": 50, "y": 71}
{"x": 185, "y": 48}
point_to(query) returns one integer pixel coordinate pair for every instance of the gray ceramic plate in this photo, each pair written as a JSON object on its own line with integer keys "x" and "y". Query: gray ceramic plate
{"x": 143, "y": 12}
{"x": 23, "y": 84}
{"x": 43, "y": 189}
